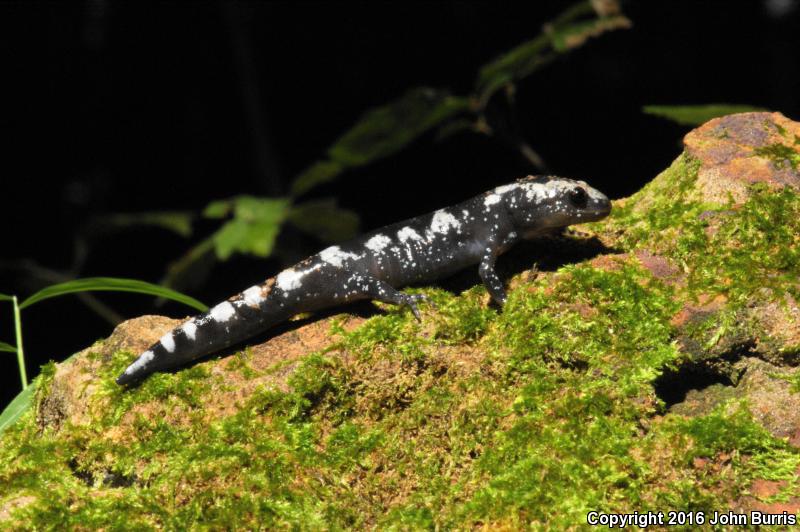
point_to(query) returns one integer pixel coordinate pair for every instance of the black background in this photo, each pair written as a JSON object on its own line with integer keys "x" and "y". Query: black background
{"x": 115, "y": 106}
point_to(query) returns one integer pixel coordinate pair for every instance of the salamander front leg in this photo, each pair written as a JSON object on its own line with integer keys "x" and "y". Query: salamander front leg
{"x": 491, "y": 280}
{"x": 384, "y": 292}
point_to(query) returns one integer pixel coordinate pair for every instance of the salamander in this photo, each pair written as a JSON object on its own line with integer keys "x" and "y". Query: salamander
{"x": 414, "y": 251}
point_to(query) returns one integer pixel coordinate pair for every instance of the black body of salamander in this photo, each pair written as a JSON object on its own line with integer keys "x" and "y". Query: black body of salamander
{"x": 418, "y": 250}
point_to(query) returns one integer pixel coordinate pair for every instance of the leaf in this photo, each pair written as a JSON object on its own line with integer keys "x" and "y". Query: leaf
{"x": 8, "y": 348}
{"x": 565, "y": 33}
{"x": 575, "y": 35}
{"x": 515, "y": 64}
{"x": 317, "y": 174}
{"x": 113, "y": 284}
{"x": 254, "y": 227}
{"x": 695, "y": 115}
{"x": 453, "y": 127}
{"x": 218, "y": 209}
{"x": 17, "y": 407}
{"x": 383, "y": 131}
{"x": 4, "y": 297}
{"x": 325, "y": 220}
{"x": 179, "y": 222}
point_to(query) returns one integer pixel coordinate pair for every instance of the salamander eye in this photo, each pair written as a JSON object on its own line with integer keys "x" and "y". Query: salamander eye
{"x": 578, "y": 197}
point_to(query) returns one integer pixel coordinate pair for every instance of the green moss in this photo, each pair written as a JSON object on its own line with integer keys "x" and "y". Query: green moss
{"x": 750, "y": 249}
{"x": 782, "y": 156}
{"x": 652, "y": 216}
{"x": 241, "y": 362}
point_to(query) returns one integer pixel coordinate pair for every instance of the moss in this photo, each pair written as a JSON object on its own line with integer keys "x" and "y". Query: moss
{"x": 241, "y": 362}
{"x": 751, "y": 250}
{"x": 782, "y": 156}
{"x": 652, "y": 217}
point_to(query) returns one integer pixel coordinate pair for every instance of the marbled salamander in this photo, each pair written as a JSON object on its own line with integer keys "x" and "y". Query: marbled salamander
{"x": 418, "y": 250}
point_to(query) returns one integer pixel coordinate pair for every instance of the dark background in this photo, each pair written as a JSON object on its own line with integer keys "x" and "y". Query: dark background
{"x": 116, "y": 106}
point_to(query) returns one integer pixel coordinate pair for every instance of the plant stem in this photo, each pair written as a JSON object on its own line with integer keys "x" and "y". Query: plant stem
{"x": 23, "y": 376}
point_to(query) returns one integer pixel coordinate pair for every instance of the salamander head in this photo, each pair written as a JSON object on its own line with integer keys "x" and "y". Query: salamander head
{"x": 539, "y": 203}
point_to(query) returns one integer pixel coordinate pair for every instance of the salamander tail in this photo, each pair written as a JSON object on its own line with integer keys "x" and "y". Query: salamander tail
{"x": 228, "y": 323}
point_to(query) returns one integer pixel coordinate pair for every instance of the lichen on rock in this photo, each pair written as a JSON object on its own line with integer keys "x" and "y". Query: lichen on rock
{"x": 660, "y": 374}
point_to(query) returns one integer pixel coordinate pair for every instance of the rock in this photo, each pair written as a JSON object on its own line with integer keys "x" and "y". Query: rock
{"x": 77, "y": 380}
{"x": 738, "y": 150}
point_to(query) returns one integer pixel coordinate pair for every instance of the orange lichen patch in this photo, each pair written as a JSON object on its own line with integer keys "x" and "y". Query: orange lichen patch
{"x": 738, "y": 150}
{"x": 781, "y": 320}
{"x": 661, "y": 267}
{"x": 611, "y": 262}
{"x": 767, "y": 488}
{"x": 585, "y": 311}
{"x": 762, "y": 489}
{"x": 706, "y": 304}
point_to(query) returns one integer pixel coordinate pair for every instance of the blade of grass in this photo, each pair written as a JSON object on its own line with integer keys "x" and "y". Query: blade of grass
{"x": 17, "y": 407}
{"x": 23, "y": 374}
{"x": 8, "y": 348}
{"x": 22, "y": 402}
{"x": 115, "y": 285}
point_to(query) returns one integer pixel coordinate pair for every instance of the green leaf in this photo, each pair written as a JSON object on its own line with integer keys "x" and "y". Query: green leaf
{"x": 695, "y": 115}
{"x": 453, "y": 127}
{"x": 575, "y": 35}
{"x": 179, "y": 222}
{"x": 8, "y": 348}
{"x": 4, "y": 297}
{"x": 218, "y": 209}
{"x": 383, "y": 131}
{"x": 316, "y": 174}
{"x": 112, "y": 284}
{"x": 254, "y": 227}
{"x": 565, "y": 33}
{"x": 324, "y": 220}
{"x": 17, "y": 407}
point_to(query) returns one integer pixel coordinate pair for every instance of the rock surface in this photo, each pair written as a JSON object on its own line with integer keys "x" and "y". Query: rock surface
{"x": 660, "y": 373}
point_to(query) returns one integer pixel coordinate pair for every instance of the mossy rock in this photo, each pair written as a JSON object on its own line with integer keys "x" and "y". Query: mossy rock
{"x": 657, "y": 375}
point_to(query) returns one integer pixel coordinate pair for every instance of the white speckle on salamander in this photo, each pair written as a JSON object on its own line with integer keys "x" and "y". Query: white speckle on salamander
{"x": 335, "y": 256}
{"x": 222, "y": 312}
{"x": 140, "y": 362}
{"x": 252, "y": 296}
{"x": 190, "y": 329}
{"x": 378, "y": 242}
{"x": 406, "y": 233}
{"x": 443, "y": 221}
{"x": 289, "y": 279}
{"x": 491, "y": 199}
{"x": 534, "y": 191}
{"x": 168, "y": 342}
{"x": 505, "y": 188}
